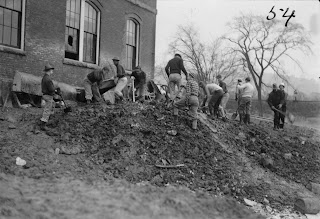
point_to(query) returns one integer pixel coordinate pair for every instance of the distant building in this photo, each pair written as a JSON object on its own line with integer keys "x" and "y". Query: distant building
{"x": 75, "y": 36}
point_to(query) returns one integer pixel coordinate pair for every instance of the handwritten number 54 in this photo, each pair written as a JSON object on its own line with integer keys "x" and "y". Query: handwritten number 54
{"x": 284, "y": 15}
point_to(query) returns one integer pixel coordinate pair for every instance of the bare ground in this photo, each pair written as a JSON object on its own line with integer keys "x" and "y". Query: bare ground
{"x": 99, "y": 162}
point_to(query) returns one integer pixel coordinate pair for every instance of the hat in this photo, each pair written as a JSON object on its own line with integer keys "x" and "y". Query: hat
{"x": 281, "y": 84}
{"x": 106, "y": 68}
{"x": 116, "y": 58}
{"x": 248, "y": 79}
{"x": 136, "y": 68}
{"x": 239, "y": 80}
{"x": 48, "y": 67}
{"x": 274, "y": 85}
{"x": 177, "y": 54}
{"x": 192, "y": 75}
{"x": 219, "y": 76}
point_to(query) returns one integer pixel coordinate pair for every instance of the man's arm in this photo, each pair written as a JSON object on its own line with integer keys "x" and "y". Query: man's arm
{"x": 182, "y": 67}
{"x": 269, "y": 101}
{"x": 167, "y": 69}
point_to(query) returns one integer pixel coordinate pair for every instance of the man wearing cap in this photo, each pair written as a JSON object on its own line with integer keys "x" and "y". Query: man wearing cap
{"x": 283, "y": 105}
{"x": 48, "y": 91}
{"x": 139, "y": 82}
{"x": 190, "y": 99}
{"x": 225, "y": 97}
{"x": 213, "y": 98}
{"x": 238, "y": 91}
{"x": 173, "y": 70}
{"x": 121, "y": 80}
{"x": 246, "y": 91}
{"x": 273, "y": 102}
{"x": 92, "y": 82}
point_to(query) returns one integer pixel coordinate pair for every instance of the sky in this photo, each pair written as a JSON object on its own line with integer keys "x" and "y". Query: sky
{"x": 210, "y": 18}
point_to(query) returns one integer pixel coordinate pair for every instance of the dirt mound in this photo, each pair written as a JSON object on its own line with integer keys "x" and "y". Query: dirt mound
{"x": 128, "y": 141}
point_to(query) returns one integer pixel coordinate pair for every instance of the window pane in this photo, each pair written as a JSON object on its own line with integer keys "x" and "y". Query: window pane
{"x": 14, "y": 37}
{"x": 77, "y": 21}
{"x": 1, "y": 33}
{"x": 9, "y": 4}
{"x": 68, "y": 5}
{"x": 86, "y": 10}
{"x": 86, "y": 24}
{"x": 6, "y": 35}
{"x": 78, "y": 3}
{"x": 94, "y": 26}
{"x": 1, "y": 15}
{"x": 68, "y": 18}
{"x": 17, "y": 5}
{"x": 15, "y": 21}
{"x": 7, "y": 17}
{"x": 73, "y": 6}
{"x": 2, "y": 2}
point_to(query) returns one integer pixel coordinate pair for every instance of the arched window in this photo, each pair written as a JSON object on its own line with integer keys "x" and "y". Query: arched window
{"x": 132, "y": 44}
{"x": 82, "y": 28}
{"x": 12, "y": 23}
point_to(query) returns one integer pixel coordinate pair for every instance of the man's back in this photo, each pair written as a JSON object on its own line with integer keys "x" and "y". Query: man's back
{"x": 175, "y": 65}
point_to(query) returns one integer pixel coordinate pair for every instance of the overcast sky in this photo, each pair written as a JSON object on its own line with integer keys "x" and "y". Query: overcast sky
{"x": 211, "y": 16}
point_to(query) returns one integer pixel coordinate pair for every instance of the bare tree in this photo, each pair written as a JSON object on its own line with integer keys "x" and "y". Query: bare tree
{"x": 264, "y": 45}
{"x": 207, "y": 60}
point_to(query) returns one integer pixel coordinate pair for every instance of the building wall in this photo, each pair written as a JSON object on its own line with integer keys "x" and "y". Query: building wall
{"x": 45, "y": 36}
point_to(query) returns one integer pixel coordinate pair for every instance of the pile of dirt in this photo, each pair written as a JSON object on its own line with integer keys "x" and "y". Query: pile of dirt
{"x": 128, "y": 141}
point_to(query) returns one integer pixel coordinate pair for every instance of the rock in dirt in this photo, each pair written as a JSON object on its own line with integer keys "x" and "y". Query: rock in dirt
{"x": 249, "y": 202}
{"x": 20, "y": 162}
{"x": 117, "y": 139}
{"x": 287, "y": 156}
{"x": 314, "y": 187}
{"x": 57, "y": 151}
{"x": 309, "y": 205}
{"x": 241, "y": 135}
{"x": 172, "y": 132}
{"x": 12, "y": 126}
{"x": 267, "y": 162}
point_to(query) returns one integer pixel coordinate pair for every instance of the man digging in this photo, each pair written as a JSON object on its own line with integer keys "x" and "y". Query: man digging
{"x": 190, "y": 99}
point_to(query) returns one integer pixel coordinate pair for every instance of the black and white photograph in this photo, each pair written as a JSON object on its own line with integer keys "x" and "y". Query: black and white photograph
{"x": 158, "y": 109}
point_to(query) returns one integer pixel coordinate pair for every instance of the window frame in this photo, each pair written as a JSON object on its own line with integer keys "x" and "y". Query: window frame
{"x": 137, "y": 41}
{"x": 22, "y": 31}
{"x": 81, "y": 34}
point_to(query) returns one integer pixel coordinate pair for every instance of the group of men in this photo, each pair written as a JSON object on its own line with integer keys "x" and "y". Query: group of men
{"x": 95, "y": 80}
{"x": 277, "y": 102}
{"x": 216, "y": 95}
{"x": 215, "y": 100}
{"x": 92, "y": 84}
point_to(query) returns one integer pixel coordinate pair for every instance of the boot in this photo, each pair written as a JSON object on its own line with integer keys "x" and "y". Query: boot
{"x": 281, "y": 126}
{"x": 241, "y": 118}
{"x": 43, "y": 126}
{"x": 248, "y": 118}
{"x": 194, "y": 124}
{"x": 175, "y": 111}
{"x": 244, "y": 116}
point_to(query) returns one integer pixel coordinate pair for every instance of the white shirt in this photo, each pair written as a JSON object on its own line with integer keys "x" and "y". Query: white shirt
{"x": 246, "y": 90}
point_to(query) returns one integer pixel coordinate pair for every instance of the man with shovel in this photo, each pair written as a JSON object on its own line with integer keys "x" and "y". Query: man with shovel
{"x": 273, "y": 102}
{"x": 283, "y": 105}
{"x": 190, "y": 100}
{"x": 48, "y": 91}
{"x": 92, "y": 82}
{"x": 139, "y": 82}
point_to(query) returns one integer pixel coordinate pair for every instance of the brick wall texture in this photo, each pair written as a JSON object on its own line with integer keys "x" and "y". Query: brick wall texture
{"x": 45, "y": 36}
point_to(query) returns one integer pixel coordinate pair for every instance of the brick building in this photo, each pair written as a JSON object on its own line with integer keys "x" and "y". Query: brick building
{"x": 75, "y": 36}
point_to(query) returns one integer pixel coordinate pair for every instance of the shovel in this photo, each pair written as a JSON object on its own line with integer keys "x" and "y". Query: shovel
{"x": 235, "y": 114}
{"x": 289, "y": 115}
{"x": 67, "y": 109}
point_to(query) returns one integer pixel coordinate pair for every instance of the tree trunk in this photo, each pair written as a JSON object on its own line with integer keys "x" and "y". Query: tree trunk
{"x": 260, "y": 102}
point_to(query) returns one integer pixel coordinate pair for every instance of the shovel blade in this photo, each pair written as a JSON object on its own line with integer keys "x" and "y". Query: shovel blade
{"x": 234, "y": 116}
{"x": 67, "y": 109}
